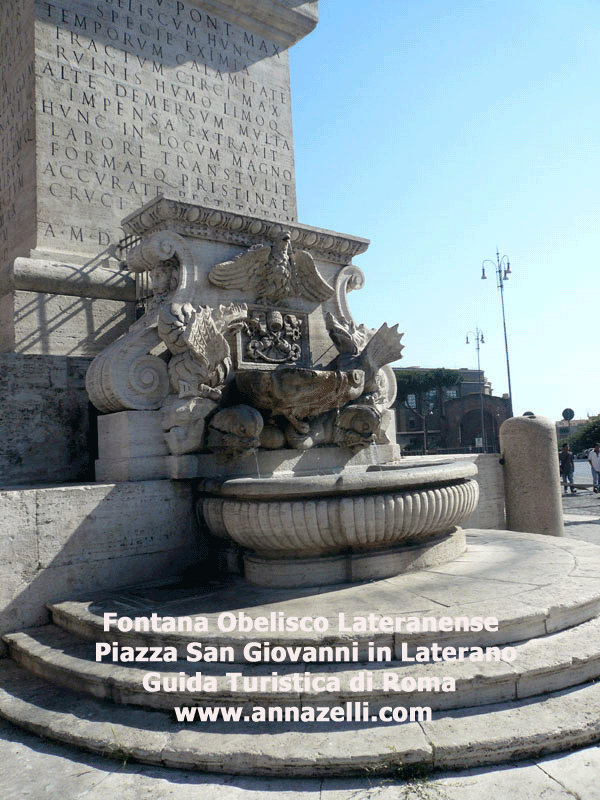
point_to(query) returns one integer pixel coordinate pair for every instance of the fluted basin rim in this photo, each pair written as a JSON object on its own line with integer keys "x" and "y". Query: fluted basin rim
{"x": 354, "y": 480}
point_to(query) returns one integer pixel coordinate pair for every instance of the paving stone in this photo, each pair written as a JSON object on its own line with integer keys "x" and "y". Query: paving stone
{"x": 33, "y": 769}
{"x": 578, "y": 772}
{"x": 524, "y": 782}
{"x": 521, "y": 730}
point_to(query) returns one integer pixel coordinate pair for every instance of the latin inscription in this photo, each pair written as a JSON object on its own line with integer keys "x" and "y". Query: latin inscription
{"x": 16, "y": 116}
{"x": 140, "y": 99}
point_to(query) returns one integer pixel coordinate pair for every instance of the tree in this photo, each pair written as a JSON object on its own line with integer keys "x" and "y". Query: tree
{"x": 420, "y": 381}
{"x": 587, "y": 436}
{"x": 426, "y": 385}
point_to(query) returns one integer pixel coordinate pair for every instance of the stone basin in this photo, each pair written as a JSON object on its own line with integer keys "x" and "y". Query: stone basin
{"x": 298, "y": 524}
{"x": 298, "y": 393}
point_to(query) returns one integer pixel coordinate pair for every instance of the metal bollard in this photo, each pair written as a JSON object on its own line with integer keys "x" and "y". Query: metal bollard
{"x": 531, "y": 477}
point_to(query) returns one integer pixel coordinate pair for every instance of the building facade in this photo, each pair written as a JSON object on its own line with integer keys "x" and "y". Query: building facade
{"x": 462, "y": 417}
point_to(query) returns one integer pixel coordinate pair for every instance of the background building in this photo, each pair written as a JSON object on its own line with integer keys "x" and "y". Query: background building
{"x": 448, "y": 417}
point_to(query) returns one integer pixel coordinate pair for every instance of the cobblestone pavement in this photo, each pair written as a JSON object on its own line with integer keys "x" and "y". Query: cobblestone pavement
{"x": 582, "y": 516}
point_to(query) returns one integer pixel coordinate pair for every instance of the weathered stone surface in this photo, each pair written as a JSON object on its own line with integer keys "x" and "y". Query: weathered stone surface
{"x": 357, "y": 478}
{"x": 277, "y": 528}
{"x": 145, "y": 468}
{"x": 490, "y": 511}
{"x": 324, "y": 570}
{"x": 34, "y": 770}
{"x": 45, "y": 425}
{"x": 31, "y": 274}
{"x": 520, "y": 730}
{"x": 516, "y": 603}
{"x": 106, "y": 108}
{"x": 130, "y": 434}
{"x": 18, "y": 134}
{"x": 461, "y": 733}
{"x": 188, "y": 99}
{"x": 18, "y": 557}
{"x": 565, "y": 659}
{"x": 63, "y": 540}
{"x": 577, "y": 772}
{"x": 531, "y": 476}
{"x": 54, "y": 324}
{"x": 485, "y": 736}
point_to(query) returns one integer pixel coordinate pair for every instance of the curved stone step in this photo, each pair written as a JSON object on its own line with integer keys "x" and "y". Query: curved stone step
{"x": 493, "y": 734}
{"x": 557, "y": 661}
{"x": 534, "y": 585}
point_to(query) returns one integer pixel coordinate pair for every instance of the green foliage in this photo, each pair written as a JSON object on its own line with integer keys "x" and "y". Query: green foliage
{"x": 419, "y": 381}
{"x": 586, "y": 436}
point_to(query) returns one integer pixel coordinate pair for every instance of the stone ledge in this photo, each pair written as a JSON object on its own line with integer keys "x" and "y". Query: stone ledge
{"x": 545, "y": 591}
{"x": 50, "y": 277}
{"x": 497, "y": 733}
{"x": 220, "y": 225}
{"x": 281, "y": 20}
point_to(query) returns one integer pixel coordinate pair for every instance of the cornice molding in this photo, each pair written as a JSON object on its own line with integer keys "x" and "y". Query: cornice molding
{"x": 204, "y": 222}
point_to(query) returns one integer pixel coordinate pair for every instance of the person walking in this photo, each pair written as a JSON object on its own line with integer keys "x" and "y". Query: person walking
{"x": 567, "y": 467}
{"x": 594, "y": 459}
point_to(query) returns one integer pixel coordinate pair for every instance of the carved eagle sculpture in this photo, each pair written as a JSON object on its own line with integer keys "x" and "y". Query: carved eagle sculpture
{"x": 274, "y": 272}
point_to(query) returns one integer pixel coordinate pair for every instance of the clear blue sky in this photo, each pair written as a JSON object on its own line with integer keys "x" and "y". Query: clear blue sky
{"x": 440, "y": 129}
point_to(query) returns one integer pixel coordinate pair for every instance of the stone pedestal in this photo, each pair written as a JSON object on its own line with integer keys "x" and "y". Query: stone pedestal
{"x": 352, "y": 567}
{"x": 531, "y": 475}
{"x": 107, "y": 106}
{"x": 131, "y": 447}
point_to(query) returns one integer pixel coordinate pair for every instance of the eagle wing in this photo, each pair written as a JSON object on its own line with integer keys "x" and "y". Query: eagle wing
{"x": 306, "y": 280}
{"x": 242, "y": 272}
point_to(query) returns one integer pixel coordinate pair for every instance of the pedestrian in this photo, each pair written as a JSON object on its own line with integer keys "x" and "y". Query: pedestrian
{"x": 594, "y": 459}
{"x": 567, "y": 467}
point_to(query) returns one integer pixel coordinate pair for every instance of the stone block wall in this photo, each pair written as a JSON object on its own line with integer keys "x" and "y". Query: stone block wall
{"x": 45, "y": 421}
{"x": 61, "y": 542}
{"x": 57, "y": 324}
{"x": 490, "y": 512}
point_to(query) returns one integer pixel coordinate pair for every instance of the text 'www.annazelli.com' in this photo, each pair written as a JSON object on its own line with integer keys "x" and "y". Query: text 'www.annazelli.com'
{"x": 349, "y": 712}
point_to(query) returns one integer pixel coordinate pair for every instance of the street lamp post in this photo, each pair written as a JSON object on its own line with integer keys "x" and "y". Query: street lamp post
{"x": 502, "y": 267}
{"x": 479, "y": 340}
{"x": 427, "y": 410}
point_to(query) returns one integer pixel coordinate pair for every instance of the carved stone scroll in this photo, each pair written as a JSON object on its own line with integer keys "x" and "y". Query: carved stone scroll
{"x": 348, "y": 279}
{"x": 128, "y": 374}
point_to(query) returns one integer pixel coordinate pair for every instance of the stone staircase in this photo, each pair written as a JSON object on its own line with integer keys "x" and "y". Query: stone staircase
{"x": 542, "y": 698}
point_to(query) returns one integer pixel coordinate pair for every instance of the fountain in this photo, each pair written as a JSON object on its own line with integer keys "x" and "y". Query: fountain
{"x": 275, "y": 402}
{"x": 246, "y": 389}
